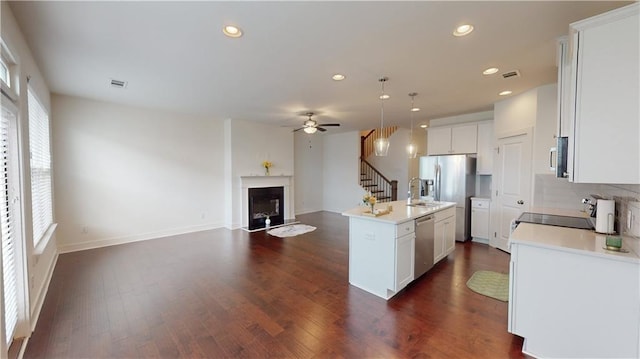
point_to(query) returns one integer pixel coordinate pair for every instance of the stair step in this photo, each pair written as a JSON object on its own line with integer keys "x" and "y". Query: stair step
{"x": 369, "y": 185}
{"x": 376, "y": 191}
{"x": 365, "y": 179}
{"x": 383, "y": 199}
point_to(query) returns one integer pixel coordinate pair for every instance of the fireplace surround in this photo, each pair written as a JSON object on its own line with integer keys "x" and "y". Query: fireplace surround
{"x": 286, "y": 205}
{"x": 265, "y": 202}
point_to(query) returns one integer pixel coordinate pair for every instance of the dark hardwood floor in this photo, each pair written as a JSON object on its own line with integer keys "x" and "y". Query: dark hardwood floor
{"x": 224, "y": 293}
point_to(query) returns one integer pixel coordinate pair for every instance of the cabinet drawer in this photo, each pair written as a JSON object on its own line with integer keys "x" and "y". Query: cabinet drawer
{"x": 449, "y": 212}
{"x": 480, "y": 203}
{"x": 405, "y": 228}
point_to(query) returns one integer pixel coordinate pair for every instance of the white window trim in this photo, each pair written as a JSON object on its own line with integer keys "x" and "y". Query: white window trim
{"x": 44, "y": 241}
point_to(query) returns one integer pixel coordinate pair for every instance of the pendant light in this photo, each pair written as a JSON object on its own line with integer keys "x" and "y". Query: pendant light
{"x": 381, "y": 144}
{"x": 412, "y": 149}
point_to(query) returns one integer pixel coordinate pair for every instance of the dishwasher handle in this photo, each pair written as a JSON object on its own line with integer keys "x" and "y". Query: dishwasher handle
{"x": 424, "y": 219}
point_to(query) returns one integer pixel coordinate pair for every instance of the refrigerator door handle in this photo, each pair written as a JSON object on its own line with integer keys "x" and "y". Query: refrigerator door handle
{"x": 438, "y": 183}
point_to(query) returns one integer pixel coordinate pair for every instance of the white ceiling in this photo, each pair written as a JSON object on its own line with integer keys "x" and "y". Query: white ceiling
{"x": 175, "y": 57}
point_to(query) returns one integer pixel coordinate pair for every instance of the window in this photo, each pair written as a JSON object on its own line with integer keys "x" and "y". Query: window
{"x": 7, "y": 221}
{"x": 41, "y": 204}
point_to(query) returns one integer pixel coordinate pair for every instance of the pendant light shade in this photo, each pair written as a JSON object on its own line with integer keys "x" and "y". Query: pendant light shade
{"x": 412, "y": 149}
{"x": 310, "y": 130}
{"x": 381, "y": 144}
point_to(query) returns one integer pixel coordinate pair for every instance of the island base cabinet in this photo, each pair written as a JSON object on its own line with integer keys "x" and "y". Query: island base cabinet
{"x": 571, "y": 305}
{"x": 381, "y": 256}
{"x": 445, "y": 234}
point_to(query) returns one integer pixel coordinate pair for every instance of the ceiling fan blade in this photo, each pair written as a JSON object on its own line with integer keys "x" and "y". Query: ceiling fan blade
{"x": 298, "y": 129}
{"x": 329, "y": 124}
{"x": 321, "y": 129}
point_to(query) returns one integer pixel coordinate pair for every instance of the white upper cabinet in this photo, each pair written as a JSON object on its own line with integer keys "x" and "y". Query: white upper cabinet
{"x": 604, "y": 146}
{"x": 448, "y": 140}
{"x": 484, "y": 165}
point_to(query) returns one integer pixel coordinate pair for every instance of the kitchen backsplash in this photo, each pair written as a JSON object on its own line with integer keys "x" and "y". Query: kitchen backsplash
{"x": 552, "y": 192}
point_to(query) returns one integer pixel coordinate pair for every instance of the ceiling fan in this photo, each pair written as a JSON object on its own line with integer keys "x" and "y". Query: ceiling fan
{"x": 311, "y": 125}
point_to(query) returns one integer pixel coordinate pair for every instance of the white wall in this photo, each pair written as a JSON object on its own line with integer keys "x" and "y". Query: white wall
{"x": 308, "y": 165}
{"x": 515, "y": 113}
{"x": 342, "y": 190}
{"x": 124, "y": 174}
{"x": 247, "y": 145}
{"x": 39, "y": 265}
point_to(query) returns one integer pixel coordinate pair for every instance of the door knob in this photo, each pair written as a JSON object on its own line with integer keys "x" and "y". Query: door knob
{"x": 520, "y": 202}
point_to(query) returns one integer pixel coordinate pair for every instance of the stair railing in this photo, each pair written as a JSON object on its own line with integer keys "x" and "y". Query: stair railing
{"x": 372, "y": 180}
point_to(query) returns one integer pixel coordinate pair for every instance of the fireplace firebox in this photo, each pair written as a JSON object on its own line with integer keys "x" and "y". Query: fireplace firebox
{"x": 266, "y": 202}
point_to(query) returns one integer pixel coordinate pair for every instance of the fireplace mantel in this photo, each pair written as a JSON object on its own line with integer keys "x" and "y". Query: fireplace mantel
{"x": 285, "y": 181}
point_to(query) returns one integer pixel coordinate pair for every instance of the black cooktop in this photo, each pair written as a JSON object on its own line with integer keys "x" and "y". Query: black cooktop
{"x": 554, "y": 220}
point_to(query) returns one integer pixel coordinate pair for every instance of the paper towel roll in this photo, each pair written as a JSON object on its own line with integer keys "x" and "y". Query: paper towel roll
{"x": 605, "y": 215}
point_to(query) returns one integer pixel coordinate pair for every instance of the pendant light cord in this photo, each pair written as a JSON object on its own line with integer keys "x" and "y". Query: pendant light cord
{"x": 382, "y": 104}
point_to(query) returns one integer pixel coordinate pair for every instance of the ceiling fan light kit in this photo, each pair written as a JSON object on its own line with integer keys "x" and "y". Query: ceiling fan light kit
{"x": 381, "y": 144}
{"x": 311, "y": 126}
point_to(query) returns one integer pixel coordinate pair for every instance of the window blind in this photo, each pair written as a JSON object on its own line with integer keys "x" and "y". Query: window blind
{"x": 6, "y": 225}
{"x": 41, "y": 206}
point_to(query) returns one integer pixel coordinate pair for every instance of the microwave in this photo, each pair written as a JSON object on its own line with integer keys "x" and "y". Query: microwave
{"x": 561, "y": 157}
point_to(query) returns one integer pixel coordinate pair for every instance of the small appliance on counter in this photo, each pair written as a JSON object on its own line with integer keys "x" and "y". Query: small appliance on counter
{"x": 605, "y": 216}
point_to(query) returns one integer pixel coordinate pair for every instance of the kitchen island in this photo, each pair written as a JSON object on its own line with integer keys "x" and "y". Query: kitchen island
{"x": 571, "y": 298}
{"x": 382, "y": 249}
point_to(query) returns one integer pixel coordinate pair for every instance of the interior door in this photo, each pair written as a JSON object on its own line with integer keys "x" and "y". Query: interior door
{"x": 512, "y": 194}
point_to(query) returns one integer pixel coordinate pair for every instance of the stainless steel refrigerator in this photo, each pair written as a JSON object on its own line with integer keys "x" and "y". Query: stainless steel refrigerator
{"x": 451, "y": 178}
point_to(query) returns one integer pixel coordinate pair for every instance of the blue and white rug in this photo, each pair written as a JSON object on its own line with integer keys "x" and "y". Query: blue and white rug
{"x": 291, "y": 231}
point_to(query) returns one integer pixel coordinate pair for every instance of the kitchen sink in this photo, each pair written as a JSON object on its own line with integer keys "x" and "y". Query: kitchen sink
{"x": 424, "y": 204}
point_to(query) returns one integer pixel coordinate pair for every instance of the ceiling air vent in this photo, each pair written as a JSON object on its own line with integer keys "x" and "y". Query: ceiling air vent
{"x": 118, "y": 84}
{"x": 510, "y": 74}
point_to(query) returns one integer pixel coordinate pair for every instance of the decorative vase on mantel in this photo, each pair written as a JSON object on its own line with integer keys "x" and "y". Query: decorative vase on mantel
{"x": 267, "y": 222}
{"x": 266, "y": 171}
{"x": 372, "y": 212}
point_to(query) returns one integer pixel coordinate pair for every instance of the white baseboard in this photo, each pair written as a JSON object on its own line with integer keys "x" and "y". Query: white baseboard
{"x": 42, "y": 292}
{"x": 99, "y": 243}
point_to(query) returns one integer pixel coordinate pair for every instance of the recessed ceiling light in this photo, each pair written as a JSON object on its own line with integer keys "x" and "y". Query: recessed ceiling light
{"x": 463, "y": 30}
{"x": 424, "y": 126}
{"x": 505, "y": 93}
{"x": 232, "y": 31}
{"x": 415, "y": 109}
{"x": 338, "y": 77}
{"x": 384, "y": 97}
{"x": 490, "y": 71}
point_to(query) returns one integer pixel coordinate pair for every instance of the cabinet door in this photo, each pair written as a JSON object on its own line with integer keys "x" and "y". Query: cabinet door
{"x": 484, "y": 164}
{"x": 439, "y": 141}
{"x": 464, "y": 139}
{"x": 449, "y": 239}
{"x": 480, "y": 223}
{"x": 438, "y": 243}
{"x": 405, "y": 256}
{"x": 607, "y": 115}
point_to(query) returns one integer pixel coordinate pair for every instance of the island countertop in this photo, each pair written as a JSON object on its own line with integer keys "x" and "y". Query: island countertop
{"x": 401, "y": 212}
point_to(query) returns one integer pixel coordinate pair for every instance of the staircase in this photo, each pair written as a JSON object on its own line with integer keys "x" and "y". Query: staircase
{"x": 371, "y": 179}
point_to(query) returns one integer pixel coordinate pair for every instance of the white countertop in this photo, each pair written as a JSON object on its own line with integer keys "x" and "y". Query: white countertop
{"x": 401, "y": 212}
{"x": 573, "y": 240}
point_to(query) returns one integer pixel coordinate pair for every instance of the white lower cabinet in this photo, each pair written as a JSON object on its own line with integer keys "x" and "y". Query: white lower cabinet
{"x": 445, "y": 234}
{"x": 381, "y": 255}
{"x": 480, "y": 209}
{"x": 571, "y": 305}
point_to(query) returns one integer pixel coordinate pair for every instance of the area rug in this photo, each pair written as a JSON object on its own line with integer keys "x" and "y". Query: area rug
{"x": 491, "y": 284}
{"x": 292, "y": 230}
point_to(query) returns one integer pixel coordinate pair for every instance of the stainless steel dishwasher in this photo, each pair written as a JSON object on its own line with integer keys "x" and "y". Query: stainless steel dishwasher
{"x": 424, "y": 245}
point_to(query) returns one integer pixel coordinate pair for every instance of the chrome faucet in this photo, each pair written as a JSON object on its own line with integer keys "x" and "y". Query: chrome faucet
{"x": 410, "y": 194}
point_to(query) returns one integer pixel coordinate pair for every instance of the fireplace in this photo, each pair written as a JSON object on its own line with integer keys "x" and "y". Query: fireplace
{"x": 265, "y": 202}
